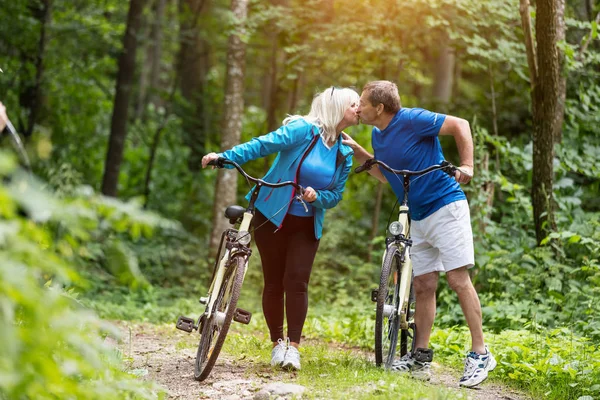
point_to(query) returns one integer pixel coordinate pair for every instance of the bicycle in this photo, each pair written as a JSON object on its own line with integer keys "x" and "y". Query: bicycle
{"x": 395, "y": 296}
{"x": 228, "y": 275}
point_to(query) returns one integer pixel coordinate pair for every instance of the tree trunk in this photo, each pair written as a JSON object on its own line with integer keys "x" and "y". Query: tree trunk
{"x": 226, "y": 186}
{"x": 273, "y": 84}
{"x": 44, "y": 14}
{"x": 144, "y": 69}
{"x": 562, "y": 76}
{"x": 444, "y": 74}
{"x": 546, "y": 107}
{"x": 155, "y": 53}
{"x": 118, "y": 129}
{"x": 150, "y": 69}
{"x": 529, "y": 44}
{"x": 193, "y": 66}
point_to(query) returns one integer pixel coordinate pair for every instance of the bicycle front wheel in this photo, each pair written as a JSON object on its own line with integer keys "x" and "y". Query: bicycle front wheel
{"x": 386, "y": 312}
{"x": 214, "y": 329}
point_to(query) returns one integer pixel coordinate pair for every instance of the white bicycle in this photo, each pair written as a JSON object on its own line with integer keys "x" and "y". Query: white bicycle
{"x": 228, "y": 275}
{"x": 395, "y": 297}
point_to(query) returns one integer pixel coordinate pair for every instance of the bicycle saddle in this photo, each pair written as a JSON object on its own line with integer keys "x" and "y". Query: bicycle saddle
{"x": 233, "y": 213}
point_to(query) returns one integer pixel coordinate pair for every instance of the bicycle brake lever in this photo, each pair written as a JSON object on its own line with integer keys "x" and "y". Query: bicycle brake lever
{"x": 299, "y": 198}
{"x": 448, "y": 168}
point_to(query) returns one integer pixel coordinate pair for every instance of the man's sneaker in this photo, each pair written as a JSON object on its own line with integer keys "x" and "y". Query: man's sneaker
{"x": 418, "y": 365}
{"x": 291, "y": 360}
{"x": 278, "y": 352}
{"x": 477, "y": 367}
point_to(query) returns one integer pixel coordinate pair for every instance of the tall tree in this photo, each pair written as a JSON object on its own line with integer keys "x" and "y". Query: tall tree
{"x": 444, "y": 72}
{"x": 544, "y": 60}
{"x": 226, "y": 187}
{"x": 150, "y": 69}
{"x": 118, "y": 129}
{"x": 32, "y": 98}
{"x": 194, "y": 63}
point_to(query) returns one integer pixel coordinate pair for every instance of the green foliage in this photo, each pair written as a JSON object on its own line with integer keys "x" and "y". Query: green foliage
{"x": 123, "y": 264}
{"x": 52, "y": 347}
{"x": 551, "y": 364}
{"x": 116, "y": 246}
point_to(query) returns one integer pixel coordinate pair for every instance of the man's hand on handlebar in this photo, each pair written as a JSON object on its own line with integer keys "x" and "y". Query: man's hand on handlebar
{"x": 464, "y": 174}
{"x": 208, "y": 158}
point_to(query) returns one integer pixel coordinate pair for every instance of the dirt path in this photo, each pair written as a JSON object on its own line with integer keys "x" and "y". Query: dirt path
{"x": 165, "y": 355}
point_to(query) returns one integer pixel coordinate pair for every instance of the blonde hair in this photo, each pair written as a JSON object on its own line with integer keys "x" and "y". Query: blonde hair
{"x": 327, "y": 110}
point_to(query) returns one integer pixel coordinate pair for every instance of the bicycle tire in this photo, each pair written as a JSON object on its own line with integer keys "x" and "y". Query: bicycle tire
{"x": 212, "y": 337}
{"x": 386, "y": 327}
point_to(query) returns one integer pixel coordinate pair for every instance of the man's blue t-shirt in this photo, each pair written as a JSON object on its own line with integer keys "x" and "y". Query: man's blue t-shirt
{"x": 411, "y": 142}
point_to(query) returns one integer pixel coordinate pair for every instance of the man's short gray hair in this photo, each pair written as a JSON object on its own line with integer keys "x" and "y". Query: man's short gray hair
{"x": 384, "y": 92}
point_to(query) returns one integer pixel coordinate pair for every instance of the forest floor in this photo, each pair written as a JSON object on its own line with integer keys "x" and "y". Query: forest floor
{"x": 165, "y": 355}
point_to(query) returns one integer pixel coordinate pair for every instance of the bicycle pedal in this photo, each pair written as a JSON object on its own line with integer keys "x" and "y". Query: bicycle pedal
{"x": 374, "y": 294}
{"x": 242, "y": 316}
{"x": 185, "y": 324}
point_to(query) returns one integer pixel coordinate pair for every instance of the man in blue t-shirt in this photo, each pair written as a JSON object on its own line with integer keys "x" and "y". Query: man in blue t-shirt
{"x": 407, "y": 138}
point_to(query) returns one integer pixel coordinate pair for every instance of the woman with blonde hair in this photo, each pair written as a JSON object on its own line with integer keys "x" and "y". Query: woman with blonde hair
{"x": 311, "y": 153}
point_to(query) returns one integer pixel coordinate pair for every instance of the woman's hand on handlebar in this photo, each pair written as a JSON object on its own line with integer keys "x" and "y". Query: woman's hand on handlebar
{"x": 208, "y": 158}
{"x": 309, "y": 195}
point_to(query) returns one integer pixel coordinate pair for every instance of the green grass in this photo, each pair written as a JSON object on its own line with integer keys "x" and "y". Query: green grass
{"x": 331, "y": 373}
{"x": 546, "y": 364}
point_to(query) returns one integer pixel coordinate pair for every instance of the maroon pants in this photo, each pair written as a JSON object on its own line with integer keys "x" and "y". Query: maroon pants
{"x": 287, "y": 257}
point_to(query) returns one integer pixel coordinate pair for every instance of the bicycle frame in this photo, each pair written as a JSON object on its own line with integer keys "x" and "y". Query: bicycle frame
{"x": 216, "y": 283}
{"x": 406, "y": 272}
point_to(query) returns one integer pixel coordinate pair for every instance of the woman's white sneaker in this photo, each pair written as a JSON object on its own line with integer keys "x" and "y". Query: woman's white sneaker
{"x": 292, "y": 359}
{"x": 278, "y": 352}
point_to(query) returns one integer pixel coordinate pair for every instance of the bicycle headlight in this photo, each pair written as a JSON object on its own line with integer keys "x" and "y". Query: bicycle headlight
{"x": 243, "y": 237}
{"x": 395, "y": 228}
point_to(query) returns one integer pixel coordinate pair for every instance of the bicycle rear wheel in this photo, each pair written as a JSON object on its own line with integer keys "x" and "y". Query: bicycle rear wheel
{"x": 214, "y": 329}
{"x": 386, "y": 312}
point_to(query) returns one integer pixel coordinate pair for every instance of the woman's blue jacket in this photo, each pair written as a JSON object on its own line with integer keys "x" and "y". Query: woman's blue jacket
{"x": 292, "y": 142}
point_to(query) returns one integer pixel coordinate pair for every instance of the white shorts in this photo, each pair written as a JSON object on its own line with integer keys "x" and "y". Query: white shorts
{"x": 443, "y": 241}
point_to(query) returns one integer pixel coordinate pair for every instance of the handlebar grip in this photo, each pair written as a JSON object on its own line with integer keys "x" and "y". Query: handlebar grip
{"x": 218, "y": 162}
{"x": 365, "y": 167}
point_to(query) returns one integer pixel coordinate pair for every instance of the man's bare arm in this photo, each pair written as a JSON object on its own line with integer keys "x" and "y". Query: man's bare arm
{"x": 362, "y": 155}
{"x": 460, "y": 129}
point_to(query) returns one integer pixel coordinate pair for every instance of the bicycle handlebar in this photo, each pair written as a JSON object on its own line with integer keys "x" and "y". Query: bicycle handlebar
{"x": 445, "y": 166}
{"x": 221, "y": 162}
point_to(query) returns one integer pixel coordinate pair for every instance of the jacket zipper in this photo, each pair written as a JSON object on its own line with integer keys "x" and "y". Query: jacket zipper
{"x": 296, "y": 177}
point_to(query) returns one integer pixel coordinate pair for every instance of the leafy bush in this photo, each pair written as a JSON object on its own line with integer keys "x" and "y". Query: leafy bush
{"x": 52, "y": 347}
